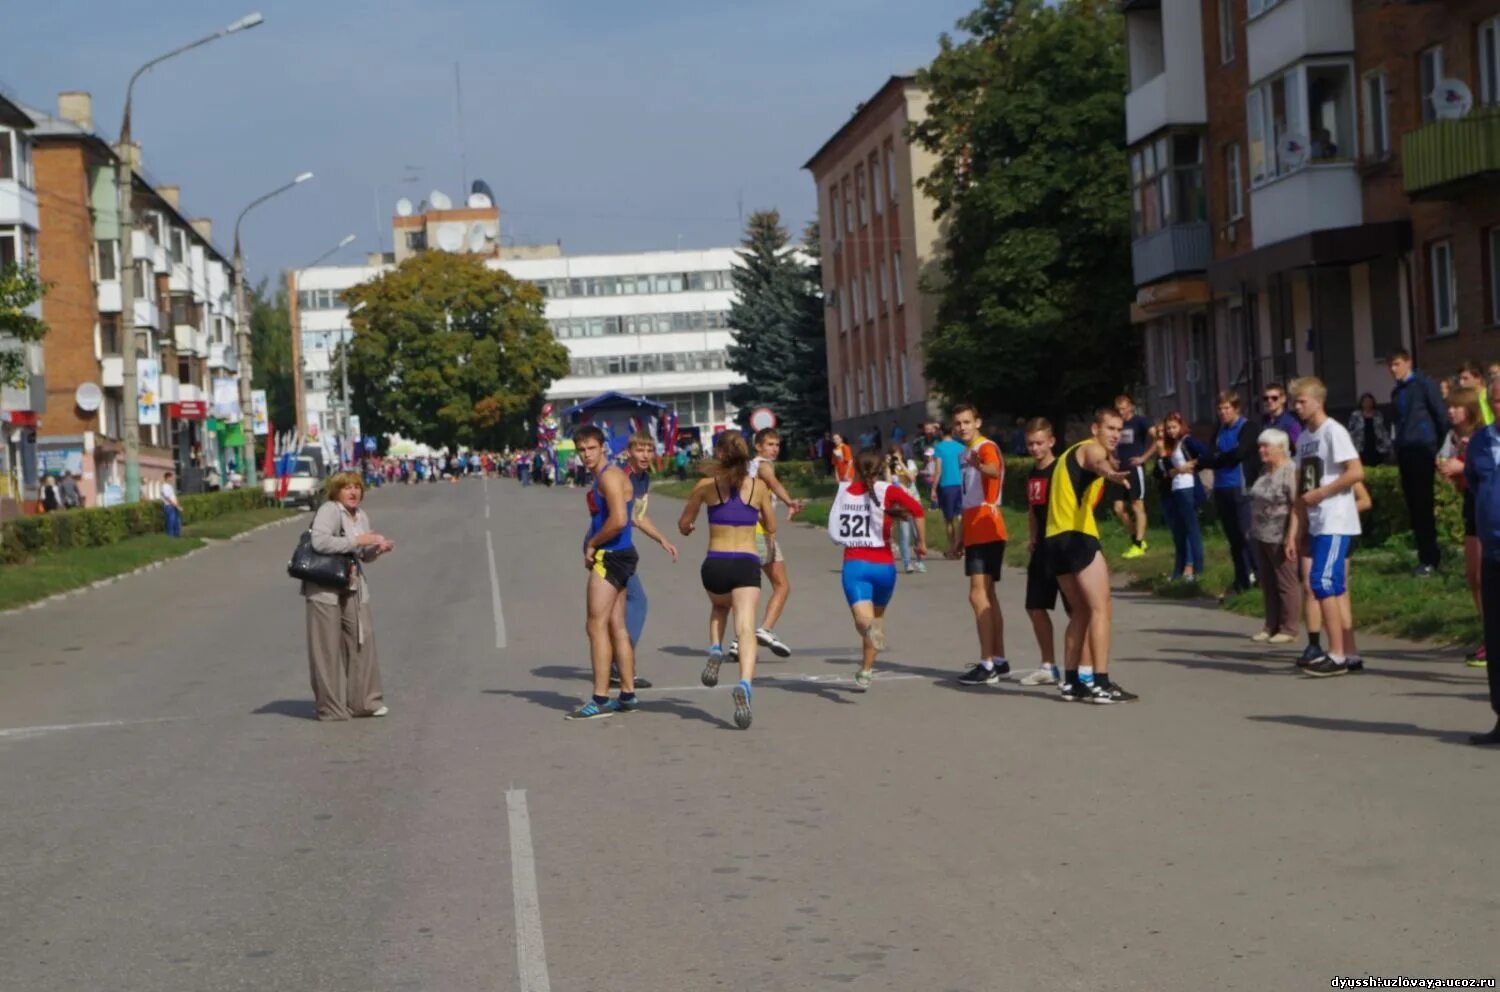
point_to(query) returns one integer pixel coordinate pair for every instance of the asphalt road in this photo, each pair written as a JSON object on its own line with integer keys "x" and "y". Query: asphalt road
{"x": 173, "y": 819}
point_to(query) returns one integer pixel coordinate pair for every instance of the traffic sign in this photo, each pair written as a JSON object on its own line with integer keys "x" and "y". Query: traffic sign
{"x": 761, "y": 418}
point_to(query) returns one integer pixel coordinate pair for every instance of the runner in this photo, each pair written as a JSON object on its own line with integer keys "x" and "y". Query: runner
{"x": 1130, "y": 498}
{"x": 609, "y": 554}
{"x": 772, "y": 558}
{"x": 642, "y": 452}
{"x": 1328, "y": 468}
{"x": 982, "y": 543}
{"x": 861, "y": 525}
{"x": 948, "y": 486}
{"x": 842, "y": 460}
{"x": 731, "y": 571}
{"x": 1041, "y": 585}
{"x": 1076, "y": 560}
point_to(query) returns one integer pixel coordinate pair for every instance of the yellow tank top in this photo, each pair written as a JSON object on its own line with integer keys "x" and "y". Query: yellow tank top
{"x": 1072, "y": 496}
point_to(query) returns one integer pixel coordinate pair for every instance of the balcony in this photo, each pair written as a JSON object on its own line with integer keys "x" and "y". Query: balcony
{"x": 147, "y": 314}
{"x": 1294, "y": 29}
{"x": 1174, "y": 249}
{"x": 112, "y": 371}
{"x": 1166, "y": 67}
{"x": 1442, "y": 159}
{"x": 1314, "y": 198}
{"x": 109, "y": 296}
{"x": 17, "y": 205}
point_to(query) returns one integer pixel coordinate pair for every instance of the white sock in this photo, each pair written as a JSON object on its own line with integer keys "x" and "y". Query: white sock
{"x": 1338, "y": 660}
{"x": 986, "y": 664}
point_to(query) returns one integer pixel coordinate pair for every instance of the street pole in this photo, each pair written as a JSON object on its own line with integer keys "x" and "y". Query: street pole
{"x": 130, "y": 424}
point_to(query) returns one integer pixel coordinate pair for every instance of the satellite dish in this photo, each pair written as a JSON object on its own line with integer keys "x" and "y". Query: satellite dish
{"x": 479, "y": 201}
{"x": 403, "y": 207}
{"x": 483, "y": 188}
{"x": 439, "y": 200}
{"x": 88, "y": 396}
{"x": 1293, "y": 149}
{"x": 1452, "y": 99}
{"x": 450, "y": 237}
{"x": 478, "y": 237}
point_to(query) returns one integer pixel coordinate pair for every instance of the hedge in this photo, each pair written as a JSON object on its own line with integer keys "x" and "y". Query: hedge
{"x": 94, "y": 527}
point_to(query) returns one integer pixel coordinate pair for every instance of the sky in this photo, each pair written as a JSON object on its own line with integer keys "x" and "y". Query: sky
{"x": 613, "y": 126}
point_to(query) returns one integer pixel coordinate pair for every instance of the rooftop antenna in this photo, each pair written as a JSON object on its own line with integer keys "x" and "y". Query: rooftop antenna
{"x": 463, "y": 152}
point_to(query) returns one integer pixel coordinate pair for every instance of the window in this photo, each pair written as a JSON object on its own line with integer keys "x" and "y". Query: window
{"x": 859, "y": 381}
{"x": 1226, "y": 30}
{"x": 1488, "y": 56}
{"x": 896, "y": 277}
{"x": 833, "y": 210}
{"x": 1167, "y": 176}
{"x": 1312, "y": 104}
{"x": 862, "y": 193}
{"x": 144, "y": 282}
{"x": 875, "y": 184}
{"x": 1494, "y": 248}
{"x": 848, "y": 397}
{"x": 1235, "y": 181}
{"x": 875, "y": 403}
{"x": 854, "y": 299}
{"x": 890, "y": 173}
{"x": 1258, "y": 7}
{"x": 1430, "y": 70}
{"x": 1444, "y": 287}
{"x": 885, "y": 288}
{"x": 845, "y": 312}
{"x": 848, "y": 209}
{"x": 10, "y": 248}
{"x": 7, "y": 154}
{"x": 869, "y": 296}
{"x": 905, "y": 379}
{"x": 1163, "y": 361}
{"x": 107, "y": 251}
{"x": 890, "y": 381}
{"x": 1377, "y": 121}
{"x": 109, "y": 334}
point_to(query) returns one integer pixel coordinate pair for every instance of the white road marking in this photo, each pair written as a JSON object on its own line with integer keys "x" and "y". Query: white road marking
{"x": 486, "y": 497}
{"x": 531, "y": 951}
{"x": 772, "y": 679}
{"x": 57, "y": 727}
{"x": 489, "y": 547}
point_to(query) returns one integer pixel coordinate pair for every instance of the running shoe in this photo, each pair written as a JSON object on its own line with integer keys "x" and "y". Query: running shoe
{"x": 1310, "y": 654}
{"x": 1280, "y": 639}
{"x": 594, "y": 711}
{"x": 1134, "y": 551}
{"x": 711, "y": 669}
{"x": 863, "y": 680}
{"x": 1002, "y": 669}
{"x": 1477, "y": 658}
{"x": 1355, "y": 663}
{"x": 979, "y": 675}
{"x": 873, "y": 635}
{"x": 1261, "y": 636}
{"x": 1477, "y": 663}
{"x": 1116, "y": 693}
{"x": 628, "y": 705}
{"x": 614, "y": 679}
{"x": 1326, "y": 667}
{"x": 1042, "y": 676}
{"x": 910, "y": 568}
{"x": 921, "y": 568}
{"x": 1083, "y": 692}
{"x": 770, "y": 640}
{"x": 741, "y": 695}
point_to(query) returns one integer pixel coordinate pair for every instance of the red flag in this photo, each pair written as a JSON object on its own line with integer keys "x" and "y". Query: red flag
{"x": 268, "y": 466}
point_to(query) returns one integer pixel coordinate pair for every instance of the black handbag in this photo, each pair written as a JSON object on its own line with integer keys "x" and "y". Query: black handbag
{"x": 311, "y": 565}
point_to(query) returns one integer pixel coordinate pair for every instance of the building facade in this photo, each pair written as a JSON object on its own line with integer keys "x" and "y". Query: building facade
{"x": 21, "y": 403}
{"x": 879, "y": 241}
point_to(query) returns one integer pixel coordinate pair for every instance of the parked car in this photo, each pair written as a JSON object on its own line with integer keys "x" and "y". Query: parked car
{"x": 304, "y": 486}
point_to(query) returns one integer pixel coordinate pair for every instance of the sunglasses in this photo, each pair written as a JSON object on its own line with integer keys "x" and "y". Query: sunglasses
{"x": 1271, "y": 397}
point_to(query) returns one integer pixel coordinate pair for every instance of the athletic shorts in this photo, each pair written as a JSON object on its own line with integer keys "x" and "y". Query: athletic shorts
{"x": 984, "y": 559}
{"x": 951, "y": 501}
{"x": 616, "y": 567}
{"x": 1042, "y": 590}
{"x": 1329, "y": 574}
{"x": 1069, "y": 553}
{"x": 1132, "y": 490}
{"x": 722, "y": 576}
{"x": 776, "y": 554}
{"x": 867, "y": 582}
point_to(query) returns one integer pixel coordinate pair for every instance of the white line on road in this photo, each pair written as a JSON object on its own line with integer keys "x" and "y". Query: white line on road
{"x": 486, "y": 497}
{"x": 773, "y": 679}
{"x": 489, "y": 547}
{"x": 56, "y": 727}
{"x": 531, "y": 952}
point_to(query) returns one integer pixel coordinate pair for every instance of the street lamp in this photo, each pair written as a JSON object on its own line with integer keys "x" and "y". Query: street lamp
{"x": 242, "y": 331}
{"x": 124, "y": 177}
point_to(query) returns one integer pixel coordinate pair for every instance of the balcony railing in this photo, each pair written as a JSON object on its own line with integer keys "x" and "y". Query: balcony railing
{"x": 1177, "y": 248}
{"x": 1437, "y": 157}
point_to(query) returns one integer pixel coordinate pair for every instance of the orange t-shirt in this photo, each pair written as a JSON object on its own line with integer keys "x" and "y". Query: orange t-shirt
{"x": 983, "y": 521}
{"x": 843, "y": 463}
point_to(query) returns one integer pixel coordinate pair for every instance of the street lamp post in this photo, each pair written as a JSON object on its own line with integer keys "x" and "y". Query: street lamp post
{"x": 242, "y": 332}
{"x": 124, "y": 176}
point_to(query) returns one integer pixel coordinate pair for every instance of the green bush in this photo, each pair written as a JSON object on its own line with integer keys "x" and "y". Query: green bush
{"x": 94, "y": 527}
{"x": 1388, "y": 518}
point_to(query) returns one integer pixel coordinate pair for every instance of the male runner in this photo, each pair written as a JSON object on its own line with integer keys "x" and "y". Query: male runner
{"x": 1075, "y": 558}
{"x": 1328, "y": 469}
{"x": 982, "y": 543}
{"x": 642, "y": 453}
{"x": 1041, "y": 585}
{"x": 1130, "y": 499}
{"x": 947, "y": 486}
{"x": 609, "y": 554}
{"x": 772, "y": 557}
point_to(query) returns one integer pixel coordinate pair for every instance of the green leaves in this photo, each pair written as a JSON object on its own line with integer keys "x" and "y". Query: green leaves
{"x": 20, "y": 287}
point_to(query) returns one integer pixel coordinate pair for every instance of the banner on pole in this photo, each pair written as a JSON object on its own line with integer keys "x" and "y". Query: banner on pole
{"x": 148, "y": 392}
{"x": 259, "y": 413}
{"x": 227, "y": 399}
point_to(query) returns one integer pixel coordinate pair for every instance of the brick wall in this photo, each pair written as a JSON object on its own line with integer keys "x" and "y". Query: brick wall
{"x": 1226, "y": 84}
{"x": 71, "y": 306}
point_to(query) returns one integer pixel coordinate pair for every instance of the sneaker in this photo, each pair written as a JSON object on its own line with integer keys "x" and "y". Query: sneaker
{"x": 1476, "y": 658}
{"x": 1490, "y": 739}
{"x": 874, "y": 636}
{"x": 1325, "y": 667}
{"x": 1477, "y": 663}
{"x": 594, "y": 711}
{"x": 910, "y": 568}
{"x": 1083, "y": 692}
{"x": 383, "y": 710}
{"x": 1280, "y": 639}
{"x": 921, "y": 568}
{"x": 1042, "y": 676}
{"x": 770, "y": 640}
{"x": 1424, "y": 571}
{"x": 1134, "y": 551}
{"x": 1310, "y": 654}
{"x": 1116, "y": 693}
{"x": 1355, "y": 663}
{"x": 710, "y": 674}
{"x": 741, "y": 695}
{"x": 863, "y": 680}
{"x": 614, "y": 679}
{"x": 1002, "y": 670}
{"x": 1261, "y": 636}
{"x": 979, "y": 675}
{"x": 628, "y": 705}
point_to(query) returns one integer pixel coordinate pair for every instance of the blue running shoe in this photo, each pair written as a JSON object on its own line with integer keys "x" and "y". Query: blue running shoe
{"x": 711, "y": 670}
{"x": 742, "y": 705}
{"x": 594, "y": 711}
{"x": 630, "y": 705}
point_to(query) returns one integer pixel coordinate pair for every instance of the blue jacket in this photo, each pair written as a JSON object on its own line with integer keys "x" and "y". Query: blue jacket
{"x": 1482, "y": 472}
{"x": 1420, "y": 413}
{"x": 1234, "y": 448}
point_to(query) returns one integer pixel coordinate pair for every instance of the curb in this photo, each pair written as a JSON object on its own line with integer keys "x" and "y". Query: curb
{"x": 101, "y": 583}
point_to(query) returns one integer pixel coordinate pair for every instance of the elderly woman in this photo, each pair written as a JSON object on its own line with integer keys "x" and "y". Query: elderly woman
{"x": 1272, "y": 499}
{"x": 340, "y": 641}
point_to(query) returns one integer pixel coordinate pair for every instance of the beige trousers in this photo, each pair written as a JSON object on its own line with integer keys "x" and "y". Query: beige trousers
{"x": 341, "y": 659}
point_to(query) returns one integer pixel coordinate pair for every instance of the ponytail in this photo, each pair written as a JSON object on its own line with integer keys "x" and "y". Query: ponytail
{"x": 732, "y": 460}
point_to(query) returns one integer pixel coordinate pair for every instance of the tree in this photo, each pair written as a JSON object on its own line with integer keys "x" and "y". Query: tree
{"x": 19, "y": 288}
{"x": 271, "y": 351}
{"x": 777, "y": 313}
{"x": 1026, "y": 117}
{"x": 449, "y": 352}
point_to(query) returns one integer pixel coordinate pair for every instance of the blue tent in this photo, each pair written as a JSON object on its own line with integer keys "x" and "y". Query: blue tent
{"x": 617, "y": 415}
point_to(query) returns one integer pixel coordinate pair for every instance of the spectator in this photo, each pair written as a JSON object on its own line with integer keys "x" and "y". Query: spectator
{"x": 1420, "y": 414}
{"x": 1482, "y": 473}
{"x": 1471, "y": 376}
{"x": 1130, "y": 499}
{"x": 1272, "y": 499}
{"x": 48, "y": 496}
{"x": 1178, "y": 455}
{"x": 947, "y": 484}
{"x": 898, "y": 436}
{"x": 171, "y": 507}
{"x": 842, "y": 460}
{"x": 1371, "y": 434}
{"x": 1466, "y": 416}
{"x": 72, "y": 499}
{"x": 1234, "y": 448}
{"x": 1274, "y": 413}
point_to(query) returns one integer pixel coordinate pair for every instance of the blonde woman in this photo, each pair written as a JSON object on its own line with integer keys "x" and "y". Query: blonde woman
{"x": 340, "y": 641}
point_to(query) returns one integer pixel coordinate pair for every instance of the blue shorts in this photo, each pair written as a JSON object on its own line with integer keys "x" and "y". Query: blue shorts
{"x": 1330, "y": 552}
{"x": 951, "y": 501}
{"x": 867, "y": 582}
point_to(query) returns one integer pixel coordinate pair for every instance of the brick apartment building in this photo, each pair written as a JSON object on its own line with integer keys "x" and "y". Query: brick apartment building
{"x": 1301, "y": 206}
{"x": 879, "y": 237}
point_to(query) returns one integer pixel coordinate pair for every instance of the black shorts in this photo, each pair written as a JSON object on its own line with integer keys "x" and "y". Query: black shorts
{"x": 616, "y": 567}
{"x": 1070, "y": 553}
{"x": 722, "y": 576}
{"x": 984, "y": 559}
{"x": 1133, "y": 490}
{"x": 1042, "y": 591}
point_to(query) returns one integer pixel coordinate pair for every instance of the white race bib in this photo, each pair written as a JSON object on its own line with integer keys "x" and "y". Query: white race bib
{"x": 858, "y": 521}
